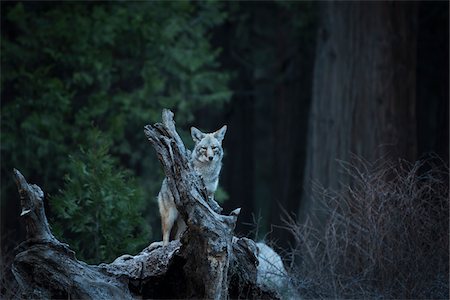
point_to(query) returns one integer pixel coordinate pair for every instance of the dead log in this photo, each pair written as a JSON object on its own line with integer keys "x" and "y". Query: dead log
{"x": 208, "y": 262}
{"x": 47, "y": 268}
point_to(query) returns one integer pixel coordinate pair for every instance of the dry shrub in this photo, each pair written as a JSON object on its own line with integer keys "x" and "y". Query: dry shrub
{"x": 386, "y": 235}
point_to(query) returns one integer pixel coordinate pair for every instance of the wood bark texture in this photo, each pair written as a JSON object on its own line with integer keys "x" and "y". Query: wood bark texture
{"x": 208, "y": 262}
{"x": 364, "y": 89}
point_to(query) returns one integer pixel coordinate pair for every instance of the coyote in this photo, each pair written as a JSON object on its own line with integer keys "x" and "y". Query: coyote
{"x": 206, "y": 159}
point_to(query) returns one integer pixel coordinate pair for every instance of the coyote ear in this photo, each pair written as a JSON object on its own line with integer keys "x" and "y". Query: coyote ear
{"x": 220, "y": 134}
{"x": 196, "y": 134}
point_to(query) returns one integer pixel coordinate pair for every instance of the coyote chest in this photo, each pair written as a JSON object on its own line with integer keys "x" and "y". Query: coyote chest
{"x": 210, "y": 176}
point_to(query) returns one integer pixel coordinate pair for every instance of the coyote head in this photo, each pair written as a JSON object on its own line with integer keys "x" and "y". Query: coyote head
{"x": 208, "y": 146}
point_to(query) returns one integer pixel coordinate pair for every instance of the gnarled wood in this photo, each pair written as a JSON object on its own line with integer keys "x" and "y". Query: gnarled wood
{"x": 31, "y": 201}
{"x": 47, "y": 268}
{"x": 208, "y": 262}
{"x": 208, "y": 240}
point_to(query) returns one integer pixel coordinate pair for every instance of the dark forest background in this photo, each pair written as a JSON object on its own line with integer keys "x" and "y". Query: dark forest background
{"x": 302, "y": 86}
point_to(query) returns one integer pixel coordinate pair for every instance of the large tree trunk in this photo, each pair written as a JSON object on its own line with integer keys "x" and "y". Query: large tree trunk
{"x": 289, "y": 108}
{"x": 364, "y": 89}
{"x": 208, "y": 262}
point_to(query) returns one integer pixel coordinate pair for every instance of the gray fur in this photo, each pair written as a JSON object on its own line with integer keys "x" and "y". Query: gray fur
{"x": 206, "y": 159}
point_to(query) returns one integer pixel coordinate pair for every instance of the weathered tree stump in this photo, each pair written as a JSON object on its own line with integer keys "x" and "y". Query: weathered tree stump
{"x": 208, "y": 262}
{"x": 47, "y": 268}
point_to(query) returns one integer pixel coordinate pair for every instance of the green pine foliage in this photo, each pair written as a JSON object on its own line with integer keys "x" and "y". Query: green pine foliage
{"x": 71, "y": 69}
{"x": 99, "y": 210}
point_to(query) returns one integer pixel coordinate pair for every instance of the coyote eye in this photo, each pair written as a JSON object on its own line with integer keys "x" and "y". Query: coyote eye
{"x": 203, "y": 148}
{"x": 214, "y": 147}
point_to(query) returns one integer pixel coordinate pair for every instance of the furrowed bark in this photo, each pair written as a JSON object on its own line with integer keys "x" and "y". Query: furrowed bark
{"x": 208, "y": 240}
